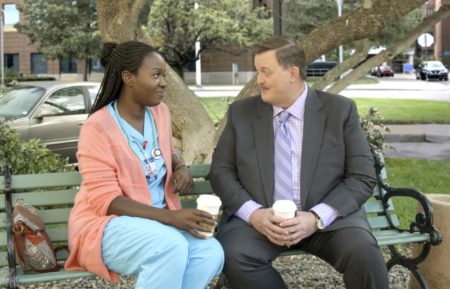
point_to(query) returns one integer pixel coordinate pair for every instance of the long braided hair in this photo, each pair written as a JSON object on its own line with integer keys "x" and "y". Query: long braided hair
{"x": 116, "y": 58}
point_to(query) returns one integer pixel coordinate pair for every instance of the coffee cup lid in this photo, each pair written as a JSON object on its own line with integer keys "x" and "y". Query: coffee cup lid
{"x": 209, "y": 200}
{"x": 284, "y": 206}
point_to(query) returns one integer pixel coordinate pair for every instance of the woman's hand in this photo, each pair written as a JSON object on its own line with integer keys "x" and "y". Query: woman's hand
{"x": 183, "y": 179}
{"x": 191, "y": 220}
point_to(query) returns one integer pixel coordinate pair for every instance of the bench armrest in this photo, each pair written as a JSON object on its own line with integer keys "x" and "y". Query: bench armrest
{"x": 424, "y": 220}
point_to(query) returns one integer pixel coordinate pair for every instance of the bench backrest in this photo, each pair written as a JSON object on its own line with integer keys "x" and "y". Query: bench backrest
{"x": 54, "y": 193}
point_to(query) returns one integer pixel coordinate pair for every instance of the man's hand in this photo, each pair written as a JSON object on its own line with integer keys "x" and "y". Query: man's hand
{"x": 183, "y": 179}
{"x": 300, "y": 227}
{"x": 266, "y": 223}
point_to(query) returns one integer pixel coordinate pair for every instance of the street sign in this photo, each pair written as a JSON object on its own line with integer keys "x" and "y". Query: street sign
{"x": 425, "y": 40}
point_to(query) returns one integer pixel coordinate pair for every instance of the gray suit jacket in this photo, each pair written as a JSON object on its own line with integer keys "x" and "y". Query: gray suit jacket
{"x": 336, "y": 168}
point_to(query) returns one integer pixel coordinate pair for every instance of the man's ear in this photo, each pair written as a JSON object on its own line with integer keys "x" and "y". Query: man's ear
{"x": 294, "y": 72}
{"x": 128, "y": 78}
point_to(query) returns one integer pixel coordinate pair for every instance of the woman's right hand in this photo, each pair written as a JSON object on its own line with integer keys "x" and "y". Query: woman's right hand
{"x": 190, "y": 220}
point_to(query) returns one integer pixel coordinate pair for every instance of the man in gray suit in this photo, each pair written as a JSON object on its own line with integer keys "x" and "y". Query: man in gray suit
{"x": 295, "y": 143}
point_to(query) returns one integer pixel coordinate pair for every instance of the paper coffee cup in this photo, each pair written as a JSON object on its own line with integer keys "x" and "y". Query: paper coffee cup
{"x": 284, "y": 208}
{"x": 210, "y": 204}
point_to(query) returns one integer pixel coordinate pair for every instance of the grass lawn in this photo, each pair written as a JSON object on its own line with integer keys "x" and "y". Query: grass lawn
{"x": 423, "y": 175}
{"x": 407, "y": 111}
{"x": 216, "y": 106}
{"x": 399, "y": 111}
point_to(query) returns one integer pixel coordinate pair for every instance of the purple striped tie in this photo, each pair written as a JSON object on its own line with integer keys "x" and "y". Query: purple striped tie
{"x": 283, "y": 160}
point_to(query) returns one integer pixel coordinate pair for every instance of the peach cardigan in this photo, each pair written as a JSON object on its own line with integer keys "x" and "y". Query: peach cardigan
{"x": 109, "y": 169}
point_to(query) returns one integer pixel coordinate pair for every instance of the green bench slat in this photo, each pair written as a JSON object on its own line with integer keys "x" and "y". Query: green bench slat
{"x": 57, "y": 234}
{"x": 375, "y": 206}
{"x": 199, "y": 170}
{"x": 188, "y": 203}
{"x": 380, "y": 222}
{"x": 20, "y": 182}
{"x": 52, "y": 276}
{"x": 51, "y": 216}
{"x": 395, "y": 238}
{"x": 3, "y": 258}
{"x": 43, "y": 198}
{"x": 3, "y": 239}
{"x": 2, "y": 183}
{"x": 201, "y": 187}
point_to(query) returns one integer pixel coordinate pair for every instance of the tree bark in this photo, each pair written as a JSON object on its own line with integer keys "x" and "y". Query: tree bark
{"x": 356, "y": 25}
{"x": 391, "y": 52}
{"x": 193, "y": 130}
{"x": 192, "y": 127}
{"x": 360, "y": 54}
{"x": 119, "y": 20}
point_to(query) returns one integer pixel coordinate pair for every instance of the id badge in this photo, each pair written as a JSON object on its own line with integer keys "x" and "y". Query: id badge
{"x": 150, "y": 169}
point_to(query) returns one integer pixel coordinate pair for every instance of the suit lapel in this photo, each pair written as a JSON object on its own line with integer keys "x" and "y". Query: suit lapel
{"x": 263, "y": 133}
{"x": 313, "y": 128}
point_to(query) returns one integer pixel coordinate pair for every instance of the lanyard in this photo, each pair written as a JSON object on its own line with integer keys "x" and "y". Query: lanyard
{"x": 149, "y": 159}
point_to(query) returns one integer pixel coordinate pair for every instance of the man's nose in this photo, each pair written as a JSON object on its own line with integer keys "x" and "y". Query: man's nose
{"x": 259, "y": 79}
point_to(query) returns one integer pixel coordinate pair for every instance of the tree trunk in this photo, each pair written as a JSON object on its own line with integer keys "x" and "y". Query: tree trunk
{"x": 118, "y": 20}
{"x": 391, "y": 52}
{"x": 192, "y": 128}
{"x": 191, "y": 125}
{"x": 87, "y": 65}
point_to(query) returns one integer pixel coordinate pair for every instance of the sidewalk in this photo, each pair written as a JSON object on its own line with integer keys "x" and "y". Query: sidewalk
{"x": 430, "y": 141}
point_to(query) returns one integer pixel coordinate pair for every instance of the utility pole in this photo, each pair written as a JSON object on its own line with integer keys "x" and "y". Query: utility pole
{"x": 277, "y": 17}
{"x": 341, "y": 51}
{"x": 2, "y": 57}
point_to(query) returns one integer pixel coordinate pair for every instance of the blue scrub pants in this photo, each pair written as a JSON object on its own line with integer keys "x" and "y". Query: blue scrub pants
{"x": 160, "y": 256}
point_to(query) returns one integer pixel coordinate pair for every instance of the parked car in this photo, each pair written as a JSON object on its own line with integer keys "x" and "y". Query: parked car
{"x": 50, "y": 111}
{"x": 382, "y": 71}
{"x": 319, "y": 68}
{"x": 432, "y": 70}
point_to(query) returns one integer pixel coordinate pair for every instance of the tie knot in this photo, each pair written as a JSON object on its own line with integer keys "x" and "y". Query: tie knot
{"x": 284, "y": 116}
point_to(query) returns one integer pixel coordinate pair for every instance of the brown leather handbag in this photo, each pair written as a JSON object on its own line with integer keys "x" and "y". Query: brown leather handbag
{"x": 32, "y": 243}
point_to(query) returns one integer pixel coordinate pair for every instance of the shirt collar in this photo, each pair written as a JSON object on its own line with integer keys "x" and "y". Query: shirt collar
{"x": 297, "y": 109}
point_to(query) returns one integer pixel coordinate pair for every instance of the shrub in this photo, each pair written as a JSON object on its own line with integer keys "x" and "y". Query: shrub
{"x": 372, "y": 125}
{"x": 27, "y": 157}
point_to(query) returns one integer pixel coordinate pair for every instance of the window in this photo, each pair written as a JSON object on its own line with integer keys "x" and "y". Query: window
{"x": 65, "y": 101}
{"x": 93, "y": 91}
{"x": 38, "y": 64}
{"x": 68, "y": 65}
{"x": 11, "y": 61}
{"x": 96, "y": 66}
{"x": 11, "y": 16}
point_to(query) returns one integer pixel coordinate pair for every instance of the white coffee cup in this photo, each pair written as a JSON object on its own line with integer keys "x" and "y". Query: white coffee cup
{"x": 210, "y": 204}
{"x": 284, "y": 208}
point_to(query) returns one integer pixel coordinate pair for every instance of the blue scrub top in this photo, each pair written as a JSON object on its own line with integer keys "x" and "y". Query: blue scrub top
{"x": 136, "y": 142}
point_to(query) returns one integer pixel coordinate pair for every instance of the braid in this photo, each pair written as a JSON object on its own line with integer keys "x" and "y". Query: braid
{"x": 116, "y": 58}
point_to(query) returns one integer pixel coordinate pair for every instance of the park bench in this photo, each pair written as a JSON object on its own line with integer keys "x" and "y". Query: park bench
{"x": 53, "y": 194}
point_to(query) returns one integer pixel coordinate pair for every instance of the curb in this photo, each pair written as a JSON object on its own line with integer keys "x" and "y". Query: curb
{"x": 416, "y": 138}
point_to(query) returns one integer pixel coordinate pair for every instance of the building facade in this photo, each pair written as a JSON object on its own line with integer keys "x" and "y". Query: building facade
{"x": 22, "y": 58}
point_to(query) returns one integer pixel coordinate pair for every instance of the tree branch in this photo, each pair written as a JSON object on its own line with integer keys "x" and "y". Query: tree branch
{"x": 362, "y": 47}
{"x": 395, "y": 49}
{"x": 359, "y": 24}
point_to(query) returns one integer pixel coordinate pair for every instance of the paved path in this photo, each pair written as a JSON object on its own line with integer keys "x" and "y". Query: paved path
{"x": 428, "y": 141}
